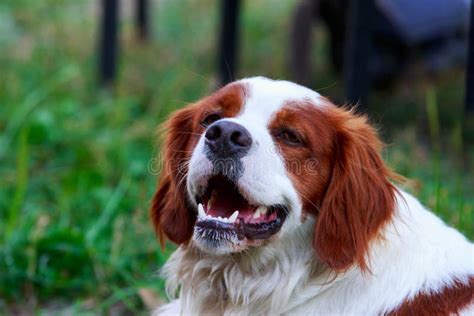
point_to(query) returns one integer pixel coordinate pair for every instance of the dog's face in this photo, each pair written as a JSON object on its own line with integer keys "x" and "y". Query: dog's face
{"x": 240, "y": 174}
{"x": 246, "y": 165}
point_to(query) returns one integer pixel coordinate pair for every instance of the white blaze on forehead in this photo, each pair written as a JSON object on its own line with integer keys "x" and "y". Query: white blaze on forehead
{"x": 266, "y": 96}
{"x": 264, "y": 180}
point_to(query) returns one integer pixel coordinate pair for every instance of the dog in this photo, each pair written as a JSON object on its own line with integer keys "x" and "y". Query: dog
{"x": 281, "y": 204}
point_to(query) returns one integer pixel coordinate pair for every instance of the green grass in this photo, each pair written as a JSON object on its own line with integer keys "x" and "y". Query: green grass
{"x": 74, "y": 159}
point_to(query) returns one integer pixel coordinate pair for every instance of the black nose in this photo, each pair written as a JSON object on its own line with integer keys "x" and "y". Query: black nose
{"x": 226, "y": 138}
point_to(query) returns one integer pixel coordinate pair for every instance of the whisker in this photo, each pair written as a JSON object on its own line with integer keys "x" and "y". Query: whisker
{"x": 209, "y": 80}
{"x": 190, "y": 133}
{"x": 310, "y": 202}
{"x": 183, "y": 172}
{"x": 327, "y": 87}
{"x": 181, "y": 151}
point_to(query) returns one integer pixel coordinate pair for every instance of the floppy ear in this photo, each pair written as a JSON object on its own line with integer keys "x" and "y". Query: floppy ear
{"x": 170, "y": 212}
{"x": 359, "y": 198}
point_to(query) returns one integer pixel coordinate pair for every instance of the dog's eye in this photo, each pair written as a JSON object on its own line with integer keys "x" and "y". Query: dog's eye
{"x": 211, "y": 118}
{"x": 290, "y": 137}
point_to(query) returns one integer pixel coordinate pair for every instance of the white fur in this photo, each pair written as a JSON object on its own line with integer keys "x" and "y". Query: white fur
{"x": 418, "y": 252}
{"x": 264, "y": 181}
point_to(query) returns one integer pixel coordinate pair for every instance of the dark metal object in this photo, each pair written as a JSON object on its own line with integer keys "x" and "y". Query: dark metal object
{"x": 421, "y": 20}
{"x": 228, "y": 40}
{"x": 358, "y": 50}
{"x": 470, "y": 67}
{"x": 108, "y": 41}
{"x": 300, "y": 41}
{"x": 143, "y": 27}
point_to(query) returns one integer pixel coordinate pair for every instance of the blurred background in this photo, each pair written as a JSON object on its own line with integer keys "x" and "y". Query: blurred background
{"x": 77, "y": 135}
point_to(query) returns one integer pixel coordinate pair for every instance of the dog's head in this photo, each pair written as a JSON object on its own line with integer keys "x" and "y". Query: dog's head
{"x": 248, "y": 164}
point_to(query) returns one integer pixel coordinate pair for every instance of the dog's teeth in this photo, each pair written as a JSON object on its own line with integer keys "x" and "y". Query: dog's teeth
{"x": 261, "y": 210}
{"x": 257, "y": 213}
{"x": 233, "y": 217}
{"x": 201, "y": 210}
{"x": 218, "y": 218}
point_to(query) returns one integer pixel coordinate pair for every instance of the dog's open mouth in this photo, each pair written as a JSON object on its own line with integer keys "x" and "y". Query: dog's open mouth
{"x": 225, "y": 213}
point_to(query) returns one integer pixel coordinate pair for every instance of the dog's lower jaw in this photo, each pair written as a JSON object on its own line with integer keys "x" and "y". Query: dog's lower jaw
{"x": 226, "y": 243}
{"x": 220, "y": 245}
{"x": 232, "y": 283}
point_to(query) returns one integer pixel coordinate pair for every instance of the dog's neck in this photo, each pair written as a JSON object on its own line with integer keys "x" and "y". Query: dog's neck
{"x": 259, "y": 281}
{"x": 284, "y": 276}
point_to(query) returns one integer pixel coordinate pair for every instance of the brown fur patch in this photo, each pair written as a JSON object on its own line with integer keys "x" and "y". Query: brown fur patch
{"x": 170, "y": 213}
{"x": 449, "y": 300}
{"x": 308, "y": 166}
{"x": 349, "y": 191}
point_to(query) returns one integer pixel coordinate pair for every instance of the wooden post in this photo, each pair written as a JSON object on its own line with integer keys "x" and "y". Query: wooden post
{"x": 358, "y": 50}
{"x": 108, "y": 45}
{"x": 228, "y": 40}
{"x": 142, "y": 20}
{"x": 470, "y": 67}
